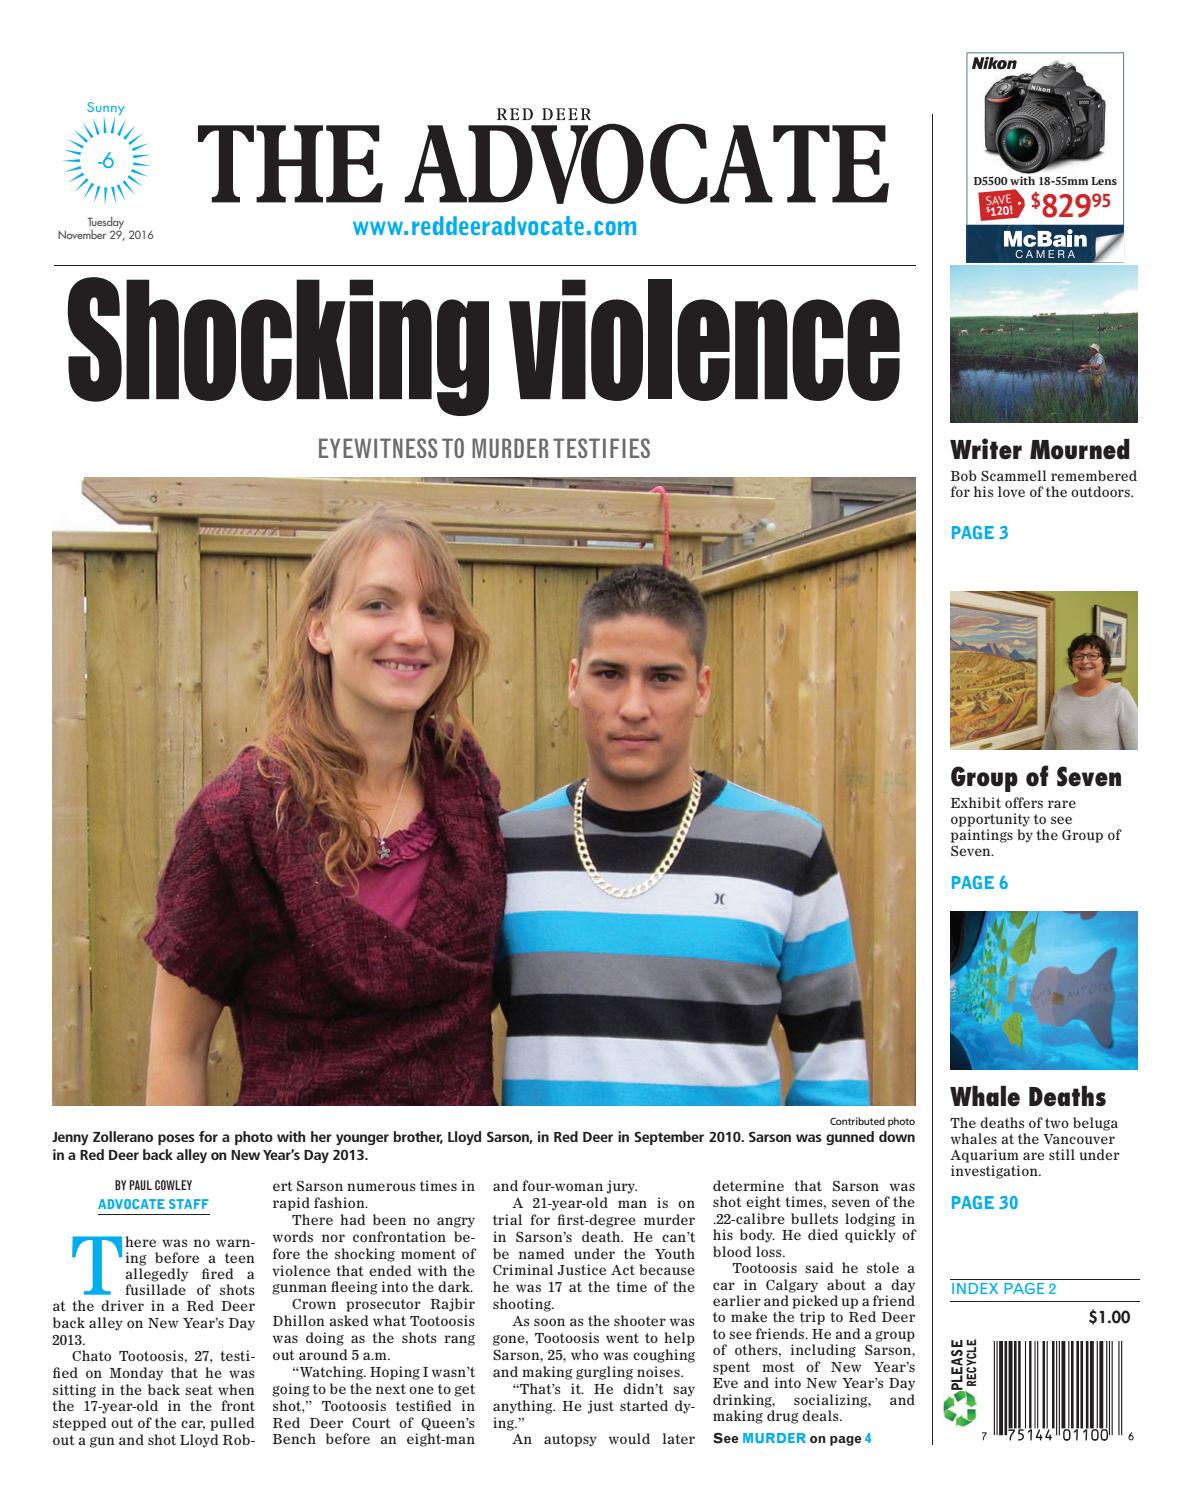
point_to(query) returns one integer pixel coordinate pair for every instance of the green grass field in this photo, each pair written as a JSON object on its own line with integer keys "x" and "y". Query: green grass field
{"x": 1055, "y": 341}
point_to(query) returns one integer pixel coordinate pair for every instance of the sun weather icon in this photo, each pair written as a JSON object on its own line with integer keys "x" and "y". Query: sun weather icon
{"x": 106, "y": 161}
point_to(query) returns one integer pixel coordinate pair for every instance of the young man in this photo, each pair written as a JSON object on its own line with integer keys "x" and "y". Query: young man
{"x": 658, "y": 919}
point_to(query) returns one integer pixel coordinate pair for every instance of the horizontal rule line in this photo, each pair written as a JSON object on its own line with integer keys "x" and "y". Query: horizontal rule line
{"x": 482, "y": 265}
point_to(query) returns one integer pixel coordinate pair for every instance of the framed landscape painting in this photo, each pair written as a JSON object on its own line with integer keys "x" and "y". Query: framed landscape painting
{"x": 1001, "y": 669}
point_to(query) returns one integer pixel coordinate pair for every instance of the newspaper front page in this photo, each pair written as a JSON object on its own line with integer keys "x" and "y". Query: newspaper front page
{"x": 628, "y": 606}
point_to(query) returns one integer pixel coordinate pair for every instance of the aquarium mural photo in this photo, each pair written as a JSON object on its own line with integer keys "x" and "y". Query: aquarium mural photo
{"x": 1043, "y": 990}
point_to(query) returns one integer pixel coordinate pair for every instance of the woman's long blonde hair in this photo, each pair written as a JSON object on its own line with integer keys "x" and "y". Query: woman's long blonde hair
{"x": 322, "y": 763}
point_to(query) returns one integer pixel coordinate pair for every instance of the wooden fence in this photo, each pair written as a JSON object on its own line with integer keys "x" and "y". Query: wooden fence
{"x": 812, "y": 651}
{"x": 161, "y": 655}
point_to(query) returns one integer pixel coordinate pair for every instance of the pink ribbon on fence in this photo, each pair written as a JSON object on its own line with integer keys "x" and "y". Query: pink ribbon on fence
{"x": 664, "y": 520}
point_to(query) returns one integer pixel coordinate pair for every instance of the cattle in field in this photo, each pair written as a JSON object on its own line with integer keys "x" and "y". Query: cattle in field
{"x": 962, "y": 332}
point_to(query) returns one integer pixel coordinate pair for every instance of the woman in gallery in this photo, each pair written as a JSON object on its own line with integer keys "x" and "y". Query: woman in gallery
{"x": 1093, "y": 713}
{"x": 340, "y": 886}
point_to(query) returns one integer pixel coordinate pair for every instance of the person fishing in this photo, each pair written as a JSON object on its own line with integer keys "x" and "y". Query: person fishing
{"x": 1096, "y": 367}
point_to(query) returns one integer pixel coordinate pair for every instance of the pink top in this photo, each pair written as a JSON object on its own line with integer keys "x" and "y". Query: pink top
{"x": 391, "y": 886}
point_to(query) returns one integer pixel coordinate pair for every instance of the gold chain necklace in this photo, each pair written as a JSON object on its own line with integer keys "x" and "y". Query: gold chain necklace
{"x": 662, "y": 868}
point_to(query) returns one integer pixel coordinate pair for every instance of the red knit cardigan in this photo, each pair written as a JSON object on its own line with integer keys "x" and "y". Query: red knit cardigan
{"x": 333, "y": 1005}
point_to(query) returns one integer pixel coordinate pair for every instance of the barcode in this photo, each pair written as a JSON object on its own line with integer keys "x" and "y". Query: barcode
{"x": 1058, "y": 1385}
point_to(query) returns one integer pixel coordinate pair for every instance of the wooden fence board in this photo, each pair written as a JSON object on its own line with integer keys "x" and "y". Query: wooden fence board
{"x": 780, "y": 672}
{"x": 179, "y": 673}
{"x": 561, "y": 756}
{"x": 811, "y": 551}
{"x": 235, "y": 663}
{"x": 504, "y": 709}
{"x": 302, "y": 547}
{"x": 284, "y": 579}
{"x": 458, "y": 507}
{"x": 749, "y": 707}
{"x": 808, "y": 770}
{"x": 856, "y": 769}
{"x": 893, "y": 841}
{"x": 122, "y": 757}
{"x": 713, "y": 745}
{"x": 71, "y": 1003}
{"x": 467, "y": 699}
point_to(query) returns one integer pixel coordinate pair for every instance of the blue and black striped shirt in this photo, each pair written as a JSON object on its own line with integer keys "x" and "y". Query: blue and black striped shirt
{"x": 669, "y": 998}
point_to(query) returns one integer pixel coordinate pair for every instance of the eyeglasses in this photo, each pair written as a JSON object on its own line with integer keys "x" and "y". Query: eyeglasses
{"x": 1086, "y": 659}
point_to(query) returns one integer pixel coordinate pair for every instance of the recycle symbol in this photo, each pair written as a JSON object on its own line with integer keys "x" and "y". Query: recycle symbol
{"x": 960, "y": 1408}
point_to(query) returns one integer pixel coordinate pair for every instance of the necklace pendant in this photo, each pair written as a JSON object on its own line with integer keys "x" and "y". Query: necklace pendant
{"x": 382, "y": 839}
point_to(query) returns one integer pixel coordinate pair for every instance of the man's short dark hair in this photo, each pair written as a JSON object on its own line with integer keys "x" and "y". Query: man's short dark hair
{"x": 1089, "y": 641}
{"x": 654, "y": 591}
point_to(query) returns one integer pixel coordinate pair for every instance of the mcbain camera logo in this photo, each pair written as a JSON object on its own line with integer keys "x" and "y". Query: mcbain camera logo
{"x": 959, "y": 1408}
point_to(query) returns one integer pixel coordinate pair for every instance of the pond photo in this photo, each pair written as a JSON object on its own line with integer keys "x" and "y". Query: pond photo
{"x": 1043, "y": 343}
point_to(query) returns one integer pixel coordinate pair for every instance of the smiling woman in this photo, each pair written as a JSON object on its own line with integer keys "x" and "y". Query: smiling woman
{"x": 340, "y": 886}
{"x": 1093, "y": 713}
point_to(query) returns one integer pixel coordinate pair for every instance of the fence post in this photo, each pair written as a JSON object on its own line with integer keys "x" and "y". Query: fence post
{"x": 179, "y": 674}
{"x": 71, "y": 931}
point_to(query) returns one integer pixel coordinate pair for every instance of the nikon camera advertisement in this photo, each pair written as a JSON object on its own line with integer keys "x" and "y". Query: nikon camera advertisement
{"x": 1045, "y": 157}
{"x": 580, "y": 604}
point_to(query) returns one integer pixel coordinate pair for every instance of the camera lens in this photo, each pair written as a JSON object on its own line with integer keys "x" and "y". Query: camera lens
{"x": 1033, "y": 137}
{"x": 1019, "y": 145}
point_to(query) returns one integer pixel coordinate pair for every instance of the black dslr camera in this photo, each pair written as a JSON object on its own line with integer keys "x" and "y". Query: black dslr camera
{"x": 1034, "y": 119}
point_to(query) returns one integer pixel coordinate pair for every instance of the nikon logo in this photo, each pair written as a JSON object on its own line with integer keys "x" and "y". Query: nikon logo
{"x": 1008, "y": 63}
